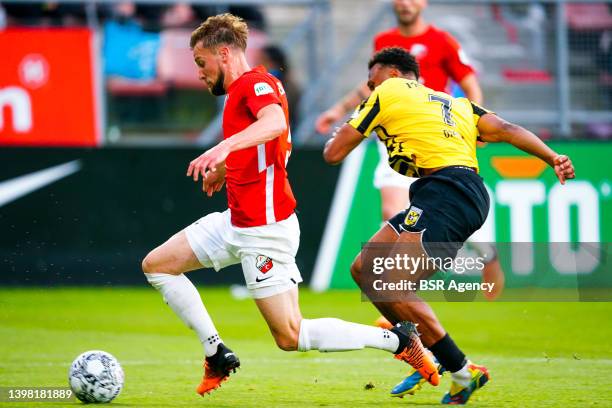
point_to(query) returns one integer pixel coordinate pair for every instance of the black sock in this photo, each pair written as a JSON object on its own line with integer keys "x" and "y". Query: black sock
{"x": 403, "y": 339}
{"x": 448, "y": 354}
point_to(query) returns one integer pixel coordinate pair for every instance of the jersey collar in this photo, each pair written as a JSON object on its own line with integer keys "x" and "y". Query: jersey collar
{"x": 260, "y": 69}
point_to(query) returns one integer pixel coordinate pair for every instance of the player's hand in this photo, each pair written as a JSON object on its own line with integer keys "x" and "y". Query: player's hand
{"x": 209, "y": 160}
{"x": 564, "y": 169}
{"x": 213, "y": 181}
{"x": 327, "y": 119}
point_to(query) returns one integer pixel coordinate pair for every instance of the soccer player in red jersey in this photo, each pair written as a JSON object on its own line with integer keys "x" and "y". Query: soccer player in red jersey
{"x": 259, "y": 230}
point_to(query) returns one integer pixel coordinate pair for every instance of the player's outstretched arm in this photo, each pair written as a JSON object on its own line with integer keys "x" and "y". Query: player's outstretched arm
{"x": 341, "y": 144}
{"x": 494, "y": 129}
{"x": 327, "y": 119}
{"x": 270, "y": 124}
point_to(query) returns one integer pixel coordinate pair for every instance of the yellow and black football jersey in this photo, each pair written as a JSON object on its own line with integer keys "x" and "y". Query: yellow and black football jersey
{"x": 420, "y": 127}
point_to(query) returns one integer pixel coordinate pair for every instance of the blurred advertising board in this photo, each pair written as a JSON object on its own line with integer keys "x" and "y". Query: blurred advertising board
{"x": 48, "y": 87}
{"x": 571, "y": 224}
{"x": 81, "y": 216}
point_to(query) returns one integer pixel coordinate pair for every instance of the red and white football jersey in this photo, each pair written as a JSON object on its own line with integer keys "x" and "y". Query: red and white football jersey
{"x": 439, "y": 55}
{"x": 258, "y": 191}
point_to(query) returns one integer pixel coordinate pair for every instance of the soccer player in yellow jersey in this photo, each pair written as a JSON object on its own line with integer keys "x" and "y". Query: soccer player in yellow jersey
{"x": 431, "y": 135}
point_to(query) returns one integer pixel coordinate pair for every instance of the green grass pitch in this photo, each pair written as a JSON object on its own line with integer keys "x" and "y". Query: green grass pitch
{"x": 539, "y": 354}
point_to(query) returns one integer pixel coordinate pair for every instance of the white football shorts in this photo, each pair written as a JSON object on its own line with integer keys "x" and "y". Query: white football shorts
{"x": 267, "y": 252}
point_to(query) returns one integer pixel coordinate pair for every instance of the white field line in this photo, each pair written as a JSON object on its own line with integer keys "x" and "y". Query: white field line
{"x": 336, "y": 220}
{"x": 336, "y": 361}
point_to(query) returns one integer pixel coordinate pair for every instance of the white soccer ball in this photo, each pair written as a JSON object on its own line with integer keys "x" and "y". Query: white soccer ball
{"x": 96, "y": 376}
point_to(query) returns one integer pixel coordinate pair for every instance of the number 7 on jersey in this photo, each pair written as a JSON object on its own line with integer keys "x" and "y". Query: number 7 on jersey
{"x": 446, "y": 108}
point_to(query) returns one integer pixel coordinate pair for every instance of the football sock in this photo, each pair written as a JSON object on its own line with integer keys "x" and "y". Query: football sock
{"x": 183, "y": 298}
{"x": 448, "y": 354}
{"x": 463, "y": 376}
{"x": 329, "y": 334}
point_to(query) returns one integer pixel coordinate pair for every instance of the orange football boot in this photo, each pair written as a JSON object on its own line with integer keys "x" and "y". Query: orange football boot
{"x": 217, "y": 369}
{"x": 414, "y": 353}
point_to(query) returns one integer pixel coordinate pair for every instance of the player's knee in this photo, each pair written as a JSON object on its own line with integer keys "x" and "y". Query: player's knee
{"x": 151, "y": 264}
{"x": 148, "y": 266}
{"x": 157, "y": 262}
{"x": 287, "y": 341}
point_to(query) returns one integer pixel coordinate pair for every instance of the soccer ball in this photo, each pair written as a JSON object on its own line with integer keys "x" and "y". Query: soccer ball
{"x": 96, "y": 376}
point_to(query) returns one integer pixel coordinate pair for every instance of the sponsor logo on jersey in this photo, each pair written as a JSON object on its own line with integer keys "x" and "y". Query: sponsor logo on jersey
{"x": 418, "y": 50}
{"x": 262, "y": 88}
{"x": 414, "y": 213}
{"x": 263, "y": 263}
{"x": 281, "y": 90}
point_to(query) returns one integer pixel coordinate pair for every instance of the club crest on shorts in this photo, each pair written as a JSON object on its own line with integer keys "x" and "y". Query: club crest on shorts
{"x": 414, "y": 213}
{"x": 263, "y": 263}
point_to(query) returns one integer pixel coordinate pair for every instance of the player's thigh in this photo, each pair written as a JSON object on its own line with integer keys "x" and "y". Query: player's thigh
{"x": 174, "y": 256}
{"x": 386, "y": 234}
{"x": 398, "y": 244}
{"x": 282, "y": 314}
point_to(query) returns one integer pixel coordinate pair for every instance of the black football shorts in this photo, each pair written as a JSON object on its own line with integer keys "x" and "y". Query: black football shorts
{"x": 449, "y": 206}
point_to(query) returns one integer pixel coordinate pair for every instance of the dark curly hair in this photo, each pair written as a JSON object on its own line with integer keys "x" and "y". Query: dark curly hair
{"x": 398, "y": 58}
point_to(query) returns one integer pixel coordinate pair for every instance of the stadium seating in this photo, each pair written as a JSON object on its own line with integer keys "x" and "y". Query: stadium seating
{"x": 175, "y": 61}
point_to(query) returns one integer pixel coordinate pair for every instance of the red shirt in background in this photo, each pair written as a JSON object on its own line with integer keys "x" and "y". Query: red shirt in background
{"x": 258, "y": 191}
{"x": 439, "y": 55}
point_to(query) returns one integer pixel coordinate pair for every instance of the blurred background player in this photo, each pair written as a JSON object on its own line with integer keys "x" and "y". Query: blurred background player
{"x": 440, "y": 59}
{"x": 260, "y": 230}
{"x": 439, "y": 55}
{"x": 431, "y": 135}
{"x": 274, "y": 59}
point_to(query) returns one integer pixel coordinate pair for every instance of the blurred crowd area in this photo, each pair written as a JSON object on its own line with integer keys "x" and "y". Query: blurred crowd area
{"x": 150, "y": 78}
{"x": 152, "y": 17}
{"x": 151, "y": 85}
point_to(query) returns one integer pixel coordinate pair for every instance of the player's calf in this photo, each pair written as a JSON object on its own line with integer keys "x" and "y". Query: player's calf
{"x": 287, "y": 340}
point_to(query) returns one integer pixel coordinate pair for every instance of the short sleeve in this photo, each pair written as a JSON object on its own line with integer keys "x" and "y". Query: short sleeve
{"x": 260, "y": 93}
{"x": 478, "y": 112}
{"x": 367, "y": 116}
{"x": 456, "y": 61}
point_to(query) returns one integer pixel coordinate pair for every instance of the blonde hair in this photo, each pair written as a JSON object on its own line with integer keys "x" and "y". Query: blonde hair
{"x": 222, "y": 29}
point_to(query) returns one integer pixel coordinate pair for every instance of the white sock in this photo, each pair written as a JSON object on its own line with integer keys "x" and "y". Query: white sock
{"x": 329, "y": 334}
{"x": 183, "y": 298}
{"x": 463, "y": 376}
